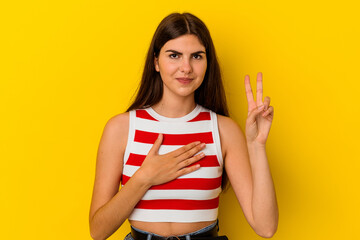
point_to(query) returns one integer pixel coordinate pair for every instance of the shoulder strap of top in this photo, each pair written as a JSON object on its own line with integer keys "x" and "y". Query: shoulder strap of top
{"x": 215, "y": 131}
{"x": 131, "y": 134}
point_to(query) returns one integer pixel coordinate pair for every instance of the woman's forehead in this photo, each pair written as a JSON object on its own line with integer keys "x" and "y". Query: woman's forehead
{"x": 184, "y": 43}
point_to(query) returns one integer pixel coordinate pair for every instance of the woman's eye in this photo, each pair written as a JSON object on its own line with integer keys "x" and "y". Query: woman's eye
{"x": 196, "y": 56}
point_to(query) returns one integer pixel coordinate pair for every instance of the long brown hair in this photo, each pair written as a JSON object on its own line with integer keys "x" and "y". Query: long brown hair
{"x": 210, "y": 94}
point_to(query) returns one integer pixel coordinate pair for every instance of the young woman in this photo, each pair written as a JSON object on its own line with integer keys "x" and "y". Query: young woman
{"x": 175, "y": 147}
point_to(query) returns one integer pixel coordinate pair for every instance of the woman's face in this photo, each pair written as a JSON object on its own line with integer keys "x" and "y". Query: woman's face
{"x": 182, "y": 65}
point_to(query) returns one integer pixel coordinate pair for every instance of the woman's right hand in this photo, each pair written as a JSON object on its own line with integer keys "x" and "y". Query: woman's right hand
{"x": 158, "y": 169}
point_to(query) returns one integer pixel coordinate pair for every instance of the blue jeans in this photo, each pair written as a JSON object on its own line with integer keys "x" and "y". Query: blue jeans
{"x": 129, "y": 237}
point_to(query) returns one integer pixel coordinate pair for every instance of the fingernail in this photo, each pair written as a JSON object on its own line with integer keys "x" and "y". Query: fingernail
{"x": 203, "y": 145}
{"x": 261, "y": 107}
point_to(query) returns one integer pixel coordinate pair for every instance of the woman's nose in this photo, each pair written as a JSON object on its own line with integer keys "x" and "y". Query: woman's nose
{"x": 185, "y": 65}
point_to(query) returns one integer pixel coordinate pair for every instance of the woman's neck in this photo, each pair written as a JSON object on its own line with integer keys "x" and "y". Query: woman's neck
{"x": 174, "y": 108}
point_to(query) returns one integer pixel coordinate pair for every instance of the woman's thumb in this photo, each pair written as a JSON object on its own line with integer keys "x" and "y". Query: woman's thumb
{"x": 155, "y": 148}
{"x": 254, "y": 113}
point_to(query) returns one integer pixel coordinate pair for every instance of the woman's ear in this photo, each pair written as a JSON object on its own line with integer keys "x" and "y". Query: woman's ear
{"x": 156, "y": 63}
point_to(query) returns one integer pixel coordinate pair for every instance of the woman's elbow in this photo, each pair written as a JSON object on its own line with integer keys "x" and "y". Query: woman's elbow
{"x": 268, "y": 233}
{"x": 95, "y": 236}
{"x": 95, "y": 233}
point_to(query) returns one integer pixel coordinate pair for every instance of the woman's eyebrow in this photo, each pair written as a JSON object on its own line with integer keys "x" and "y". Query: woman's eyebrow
{"x": 181, "y": 53}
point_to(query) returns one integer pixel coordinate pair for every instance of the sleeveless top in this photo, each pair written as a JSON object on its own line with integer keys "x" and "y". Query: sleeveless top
{"x": 193, "y": 197}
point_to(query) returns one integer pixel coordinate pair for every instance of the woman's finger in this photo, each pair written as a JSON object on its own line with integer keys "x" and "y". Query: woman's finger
{"x": 269, "y": 111}
{"x": 184, "y": 149}
{"x": 259, "y": 89}
{"x": 189, "y": 161}
{"x": 266, "y": 102}
{"x": 252, "y": 115}
{"x": 155, "y": 147}
{"x": 249, "y": 94}
{"x": 191, "y": 152}
{"x": 187, "y": 170}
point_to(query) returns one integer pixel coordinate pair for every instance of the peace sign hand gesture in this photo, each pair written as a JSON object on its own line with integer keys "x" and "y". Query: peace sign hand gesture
{"x": 260, "y": 114}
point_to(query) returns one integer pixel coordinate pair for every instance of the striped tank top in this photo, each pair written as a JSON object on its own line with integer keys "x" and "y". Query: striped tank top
{"x": 193, "y": 197}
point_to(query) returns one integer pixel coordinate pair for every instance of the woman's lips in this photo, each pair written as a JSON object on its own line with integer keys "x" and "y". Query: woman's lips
{"x": 184, "y": 80}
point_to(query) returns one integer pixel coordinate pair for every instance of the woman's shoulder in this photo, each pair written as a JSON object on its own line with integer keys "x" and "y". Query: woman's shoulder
{"x": 117, "y": 127}
{"x": 120, "y": 117}
{"x": 227, "y": 123}
{"x": 229, "y": 131}
{"x": 118, "y": 121}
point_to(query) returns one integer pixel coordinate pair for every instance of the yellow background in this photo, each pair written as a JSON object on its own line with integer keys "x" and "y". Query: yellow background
{"x": 68, "y": 66}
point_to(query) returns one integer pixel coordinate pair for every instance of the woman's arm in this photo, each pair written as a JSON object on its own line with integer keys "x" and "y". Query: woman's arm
{"x": 111, "y": 207}
{"x": 247, "y": 163}
{"x": 105, "y": 214}
{"x": 249, "y": 174}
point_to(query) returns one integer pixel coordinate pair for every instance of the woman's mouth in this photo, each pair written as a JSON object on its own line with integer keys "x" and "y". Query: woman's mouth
{"x": 184, "y": 80}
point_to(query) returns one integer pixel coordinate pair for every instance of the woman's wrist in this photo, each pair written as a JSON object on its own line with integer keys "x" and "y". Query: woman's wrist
{"x": 255, "y": 145}
{"x": 142, "y": 178}
{"x": 257, "y": 153}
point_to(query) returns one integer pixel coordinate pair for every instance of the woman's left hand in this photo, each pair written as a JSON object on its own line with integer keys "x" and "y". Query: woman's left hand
{"x": 260, "y": 114}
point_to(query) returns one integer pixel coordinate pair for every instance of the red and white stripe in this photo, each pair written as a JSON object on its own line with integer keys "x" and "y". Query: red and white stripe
{"x": 193, "y": 197}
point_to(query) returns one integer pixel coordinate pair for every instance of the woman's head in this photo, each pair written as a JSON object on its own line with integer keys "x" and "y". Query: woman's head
{"x": 182, "y": 66}
{"x": 210, "y": 93}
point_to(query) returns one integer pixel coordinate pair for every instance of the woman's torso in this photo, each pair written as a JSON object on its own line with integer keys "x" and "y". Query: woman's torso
{"x": 166, "y": 228}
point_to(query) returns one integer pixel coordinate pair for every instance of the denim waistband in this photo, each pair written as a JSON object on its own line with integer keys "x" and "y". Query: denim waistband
{"x": 184, "y": 235}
